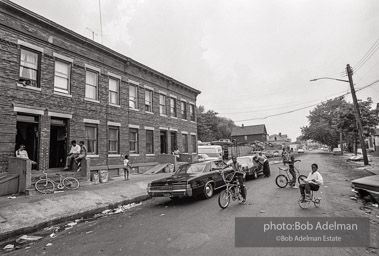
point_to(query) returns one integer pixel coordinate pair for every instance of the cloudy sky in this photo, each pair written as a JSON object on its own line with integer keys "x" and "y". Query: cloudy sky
{"x": 252, "y": 60}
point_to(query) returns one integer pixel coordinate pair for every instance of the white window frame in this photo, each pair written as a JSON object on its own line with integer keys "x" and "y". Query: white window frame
{"x": 149, "y": 104}
{"x": 114, "y": 92}
{"x": 90, "y": 85}
{"x": 162, "y": 106}
{"x": 135, "y": 99}
{"x": 92, "y": 125}
{"x": 68, "y": 78}
{"x": 115, "y": 128}
{"x": 37, "y": 68}
{"x": 173, "y": 109}
{"x": 152, "y": 141}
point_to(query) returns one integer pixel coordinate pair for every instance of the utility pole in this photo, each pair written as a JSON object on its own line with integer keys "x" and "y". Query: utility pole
{"x": 357, "y": 114}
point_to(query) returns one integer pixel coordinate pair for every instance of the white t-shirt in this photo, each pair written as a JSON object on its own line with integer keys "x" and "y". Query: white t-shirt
{"x": 316, "y": 176}
{"x": 75, "y": 149}
{"x": 126, "y": 162}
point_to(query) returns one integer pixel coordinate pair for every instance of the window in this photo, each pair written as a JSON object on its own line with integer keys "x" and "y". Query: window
{"x": 192, "y": 112}
{"x": 133, "y": 97}
{"x": 162, "y": 104}
{"x": 62, "y": 77}
{"x": 91, "y": 138}
{"x": 184, "y": 109}
{"x": 149, "y": 142}
{"x": 133, "y": 140}
{"x": 185, "y": 142}
{"x": 173, "y": 107}
{"x": 91, "y": 85}
{"x": 113, "y": 140}
{"x": 114, "y": 91}
{"x": 193, "y": 142}
{"x": 148, "y": 100}
{"x": 29, "y": 63}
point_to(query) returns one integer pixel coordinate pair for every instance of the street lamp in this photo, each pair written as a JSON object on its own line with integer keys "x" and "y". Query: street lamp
{"x": 356, "y": 107}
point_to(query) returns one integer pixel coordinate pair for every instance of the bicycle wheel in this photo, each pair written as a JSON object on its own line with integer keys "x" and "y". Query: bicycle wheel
{"x": 44, "y": 186}
{"x": 304, "y": 204}
{"x": 300, "y": 179}
{"x": 224, "y": 199}
{"x": 70, "y": 183}
{"x": 281, "y": 181}
{"x": 317, "y": 202}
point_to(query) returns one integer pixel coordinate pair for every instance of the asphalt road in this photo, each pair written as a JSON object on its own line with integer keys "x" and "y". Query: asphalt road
{"x": 161, "y": 226}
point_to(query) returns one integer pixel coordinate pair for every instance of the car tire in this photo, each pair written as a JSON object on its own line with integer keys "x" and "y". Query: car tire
{"x": 254, "y": 176}
{"x": 208, "y": 190}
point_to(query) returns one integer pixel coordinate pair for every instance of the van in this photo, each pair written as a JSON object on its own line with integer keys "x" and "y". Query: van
{"x": 211, "y": 151}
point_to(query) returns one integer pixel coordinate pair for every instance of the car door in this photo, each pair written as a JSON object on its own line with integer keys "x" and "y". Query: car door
{"x": 216, "y": 176}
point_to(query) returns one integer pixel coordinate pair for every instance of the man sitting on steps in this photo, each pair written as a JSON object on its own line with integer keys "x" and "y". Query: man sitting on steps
{"x": 74, "y": 152}
{"x": 82, "y": 155}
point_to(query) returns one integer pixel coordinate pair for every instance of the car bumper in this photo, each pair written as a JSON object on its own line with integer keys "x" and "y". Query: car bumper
{"x": 186, "y": 192}
{"x": 373, "y": 191}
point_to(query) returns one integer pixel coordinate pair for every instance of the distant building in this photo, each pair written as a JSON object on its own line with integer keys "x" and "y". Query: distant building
{"x": 249, "y": 134}
{"x": 279, "y": 139}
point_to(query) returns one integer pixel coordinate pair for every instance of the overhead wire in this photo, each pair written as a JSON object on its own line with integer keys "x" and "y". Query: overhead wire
{"x": 367, "y": 56}
{"x": 295, "y": 110}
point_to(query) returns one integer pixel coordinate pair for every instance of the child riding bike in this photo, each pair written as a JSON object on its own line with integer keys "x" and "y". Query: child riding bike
{"x": 239, "y": 175}
{"x": 291, "y": 164}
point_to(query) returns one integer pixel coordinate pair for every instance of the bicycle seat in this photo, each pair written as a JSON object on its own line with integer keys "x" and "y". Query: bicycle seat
{"x": 283, "y": 169}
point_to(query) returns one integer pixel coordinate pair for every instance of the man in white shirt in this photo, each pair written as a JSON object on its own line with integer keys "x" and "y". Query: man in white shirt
{"x": 74, "y": 152}
{"x": 312, "y": 182}
{"x": 22, "y": 153}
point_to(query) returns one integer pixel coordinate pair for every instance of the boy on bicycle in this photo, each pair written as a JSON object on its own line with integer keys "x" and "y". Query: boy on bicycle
{"x": 239, "y": 175}
{"x": 312, "y": 182}
{"x": 291, "y": 164}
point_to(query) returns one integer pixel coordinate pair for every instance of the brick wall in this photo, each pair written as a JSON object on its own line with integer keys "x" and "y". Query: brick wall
{"x": 54, "y": 39}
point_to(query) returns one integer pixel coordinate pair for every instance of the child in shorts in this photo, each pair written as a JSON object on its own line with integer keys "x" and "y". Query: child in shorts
{"x": 126, "y": 167}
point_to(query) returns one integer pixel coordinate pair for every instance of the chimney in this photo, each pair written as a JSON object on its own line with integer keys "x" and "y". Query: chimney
{"x": 242, "y": 126}
{"x": 280, "y": 134}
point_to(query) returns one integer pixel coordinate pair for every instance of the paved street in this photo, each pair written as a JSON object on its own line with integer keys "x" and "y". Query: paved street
{"x": 161, "y": 226}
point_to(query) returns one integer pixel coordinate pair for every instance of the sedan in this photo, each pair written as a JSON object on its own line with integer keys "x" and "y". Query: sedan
{"x": 249, "y": 166}
{"x": 300, "y": 150}
{"x": 367, "y": 186}
{"x": 191, "y": 180}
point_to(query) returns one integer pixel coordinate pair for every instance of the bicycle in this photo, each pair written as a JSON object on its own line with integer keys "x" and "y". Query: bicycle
{"x": 233, "y": 190}
{"x": 46, "y": 185}
{"x": 282, "y": 180}
{"x": 305, "y": 203}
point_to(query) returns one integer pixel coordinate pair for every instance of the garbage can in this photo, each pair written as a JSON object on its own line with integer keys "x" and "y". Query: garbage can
{"x": 95, "y": 178}
{"x": 103, "y": 175}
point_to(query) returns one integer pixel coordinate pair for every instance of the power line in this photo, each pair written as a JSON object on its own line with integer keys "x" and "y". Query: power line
{"x": 295, "y": 110}
{"x": 367, "y": 56}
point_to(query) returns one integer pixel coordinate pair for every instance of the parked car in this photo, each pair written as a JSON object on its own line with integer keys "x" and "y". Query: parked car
{"x": 249, "y": 166}
{"x": 337, "y": 151}
{"x": 367, "y": 186}
{"x": 190, "y": 180}
{"x": 300, "y": 150}
{"x": 212, "y": 151}
{"x": 205, "y": 157}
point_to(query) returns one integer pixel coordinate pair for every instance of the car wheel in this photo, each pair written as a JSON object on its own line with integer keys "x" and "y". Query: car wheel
{"x": 254, "y": 175}
{"x": 208, "y": 190}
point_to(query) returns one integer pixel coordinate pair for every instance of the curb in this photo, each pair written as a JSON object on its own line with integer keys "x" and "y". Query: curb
{"x": 42, "y": 225}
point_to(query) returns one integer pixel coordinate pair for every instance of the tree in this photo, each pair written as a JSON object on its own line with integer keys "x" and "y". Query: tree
{"x": 336, "y": 116}
{"x": 211, "y": 127}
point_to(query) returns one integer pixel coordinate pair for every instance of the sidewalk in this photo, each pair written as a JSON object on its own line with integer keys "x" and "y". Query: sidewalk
{"x": 373, "y": 166}
{"x": 25, "y": 214}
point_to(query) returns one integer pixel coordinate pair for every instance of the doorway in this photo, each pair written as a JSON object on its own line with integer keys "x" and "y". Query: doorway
{"x": 28, "y": 134}
{"x": 58, "y": 143}
{"x": 163, "y": 136}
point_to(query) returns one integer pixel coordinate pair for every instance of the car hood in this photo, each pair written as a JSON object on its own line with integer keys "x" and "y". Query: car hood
{"x": 369, "y": 181}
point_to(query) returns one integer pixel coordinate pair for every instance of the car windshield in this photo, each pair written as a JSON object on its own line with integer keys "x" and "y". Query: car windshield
{"x": 191, "y": 168}
{"x": 243, "y": 160}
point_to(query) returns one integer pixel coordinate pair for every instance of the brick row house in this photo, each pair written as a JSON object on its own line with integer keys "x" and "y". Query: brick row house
{"x": 57, "y": 86}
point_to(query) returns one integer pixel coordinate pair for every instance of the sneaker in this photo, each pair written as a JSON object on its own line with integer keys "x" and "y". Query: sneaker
{"x": 295, "y": 187}
{"x": 243, "y": 201}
